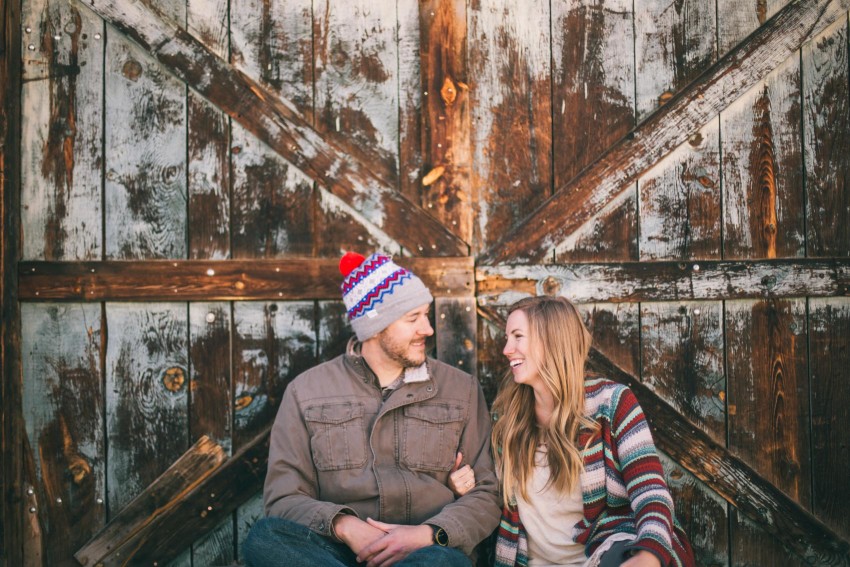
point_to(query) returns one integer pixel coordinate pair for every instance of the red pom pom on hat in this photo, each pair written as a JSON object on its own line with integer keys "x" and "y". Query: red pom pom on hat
{"x": 350, "y": 261}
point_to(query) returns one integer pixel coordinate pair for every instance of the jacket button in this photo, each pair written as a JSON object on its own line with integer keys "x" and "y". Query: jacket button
{"x": 322, "y": 526}
{"x": 429, "y": 388}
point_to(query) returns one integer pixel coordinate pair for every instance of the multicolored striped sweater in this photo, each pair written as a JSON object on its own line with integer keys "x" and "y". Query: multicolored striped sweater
{"x": 622, "y": 485}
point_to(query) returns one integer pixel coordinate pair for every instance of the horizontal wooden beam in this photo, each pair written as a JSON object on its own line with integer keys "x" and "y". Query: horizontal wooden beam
{"x": 602, "y": 185}
{"x": 725, "y": 474}
{"x": 349, "y": 170}
{"x": 210, "y": 280}
{"x": 770, "y": 508}
{"x": 118, "y": 542}
{"x": 667, "y": 281}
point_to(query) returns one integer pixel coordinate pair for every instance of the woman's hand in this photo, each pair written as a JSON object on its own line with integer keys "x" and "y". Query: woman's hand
{"x": 461, "y": 480}
{"x": 642, "y": 558}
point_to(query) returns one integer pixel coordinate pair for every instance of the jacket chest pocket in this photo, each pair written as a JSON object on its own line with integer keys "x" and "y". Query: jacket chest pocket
{"x": 431, "y": 436}
{"x": 337, "y": 436}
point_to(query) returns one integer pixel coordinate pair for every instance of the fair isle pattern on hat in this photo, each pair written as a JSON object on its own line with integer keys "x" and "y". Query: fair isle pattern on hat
{"x": 377, "y": 291}
{"x": 368, "y": 284}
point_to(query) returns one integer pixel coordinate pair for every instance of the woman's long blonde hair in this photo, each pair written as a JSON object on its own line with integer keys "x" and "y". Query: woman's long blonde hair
{"x": 560, "y": 343}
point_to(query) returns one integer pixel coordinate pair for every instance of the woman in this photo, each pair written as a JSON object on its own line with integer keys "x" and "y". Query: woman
{"x": 581, "y": 480}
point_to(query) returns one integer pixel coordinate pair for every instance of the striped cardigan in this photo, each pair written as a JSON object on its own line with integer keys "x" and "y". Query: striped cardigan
{"x": 622, "y": 486}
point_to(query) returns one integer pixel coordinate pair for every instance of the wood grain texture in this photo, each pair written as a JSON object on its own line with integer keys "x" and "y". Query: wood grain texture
{"x": 145, "y": 210}
{"x": 682, "y": 360}
{"x": 616, "y": 332}
{"x": 675, "y": 41}
{"x": 63, "y": 409}
{"x": 410, "y": 97}
{"x": 739, "y": 18}
{"x": 290, "y": 278}
{"x": 665, "y": 281}
{"x": 210, "y": 391}
{"x": 248, "y": 514}
{"x": 272, "y": 202}
{"x": 147, "y": 413}
{"x": 272, "y": 344}
{"x": 602, "y": 185}
{"x": 680, "y": 205}
{"x": 829, "y": 335}
{"x": 355, "y": 58}
{"x": 593, "y": 106}
{"x": 62, "y": 132}
{"x": 593, "y": 81}
{"x": 768, "y": 392}
{"x": 702, "y": 514}
{"x": 447, "y": 131}
{"x": 826, "y": 132}
{"x": 751, "y": 546}
{"x": 764, "y": 214}
{"x": 350, "y": 171}
{"x": 13, "y": 537}
{"x": 492, "y": 366}
{"x": 208, "y": 135}
{"x": 456, "y": 332}
{"x": 119, "y": 541}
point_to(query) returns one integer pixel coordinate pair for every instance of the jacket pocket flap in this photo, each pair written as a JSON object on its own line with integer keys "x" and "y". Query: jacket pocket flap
{"x": 434, "y": 413}
{"x": 334, "y": 413}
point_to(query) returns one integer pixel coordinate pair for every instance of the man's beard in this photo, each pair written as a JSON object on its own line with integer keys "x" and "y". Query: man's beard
{"x": 396, "y": 351}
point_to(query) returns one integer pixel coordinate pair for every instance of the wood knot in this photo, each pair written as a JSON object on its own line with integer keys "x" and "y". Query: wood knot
{"x": 448, "y": 91}
{"x": 79, "y": 469}
{"x": 551, "y": 286}
{"x": 174, "y": 378}
{"x": 243, "y": 402}
{"x": 132, "y": 69}
{"x": 433, "y": 175}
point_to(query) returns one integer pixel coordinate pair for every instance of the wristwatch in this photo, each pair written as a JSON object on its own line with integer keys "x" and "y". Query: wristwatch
{"x": 441, "y": 538}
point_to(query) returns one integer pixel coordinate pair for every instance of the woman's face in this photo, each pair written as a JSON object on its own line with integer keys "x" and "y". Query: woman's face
{"x": 518, "y": 349}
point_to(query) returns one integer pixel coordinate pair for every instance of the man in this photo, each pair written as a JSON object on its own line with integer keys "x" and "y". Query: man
{"x": 363, "y": 445}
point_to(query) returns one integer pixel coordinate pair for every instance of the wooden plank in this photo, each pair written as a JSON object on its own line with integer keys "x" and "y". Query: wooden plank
{"x": 339, "y": 228}
{"x": 826, "y": 133}
{"x": 674, "y": 43}
{"x": 145, "y": 157}
{"x": 702, "y": 514}
{"x": 410, "y": 95}
{"x": 763, "y": 214}
{"x": 456, "y": 332}
{"x": 616, "y": 332}
{"x": 767, "y": 370}
{"x": 680, "y": 210}
{"x": 119, "y": 541}
{"x": 601, "y": 186}
{"x": 355, "y": 57}
{"x": 751, "y": 545}
{"x": 63, "y": 411}
{"x": 739, "y": 18}
{"x": 345, "y": 168}
{"x": 208, "y": 143}
{"x": 334, "y": 330}
{"x": 270, "y": 199}
{"x": 768, "y": 407}
{"x": 12, "y": 435}
{"x": 682, "y": 360}
{"x": 666, "y": 281}
{"x": 829, "y": 335}
{"x": 791, "y": 525}
{"x": 491, "y": 340}
{"x": 210, "y": 392}
{"x": 146, "y": 395}
{"x": 593, "y": 106}
{"x": 247, "y": 515}
{"x": 593, "y": 90}
{"x": 447, "y": 131}
{"x": 62, "y": 132}
{"x": 197, "y": 280}
{"x": 272, "y": 344}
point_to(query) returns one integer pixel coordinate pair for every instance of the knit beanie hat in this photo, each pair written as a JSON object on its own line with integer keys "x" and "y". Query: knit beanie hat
{"x": 377, "y": 292}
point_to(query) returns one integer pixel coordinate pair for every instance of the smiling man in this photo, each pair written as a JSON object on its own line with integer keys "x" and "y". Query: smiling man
{"x": 363, "y": 445}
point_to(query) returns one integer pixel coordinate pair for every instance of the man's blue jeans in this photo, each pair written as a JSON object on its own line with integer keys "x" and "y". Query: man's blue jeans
{"x": 275, "y": 542}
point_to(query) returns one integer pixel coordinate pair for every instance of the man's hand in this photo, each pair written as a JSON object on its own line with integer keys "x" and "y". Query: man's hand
{"x": 355, "y": 533}
{"x": 642, "y": 558}
{"x": 398, "y": 543}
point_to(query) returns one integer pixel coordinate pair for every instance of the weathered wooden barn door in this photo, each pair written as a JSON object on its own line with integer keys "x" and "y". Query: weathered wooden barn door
{"x": 186, "y": 174}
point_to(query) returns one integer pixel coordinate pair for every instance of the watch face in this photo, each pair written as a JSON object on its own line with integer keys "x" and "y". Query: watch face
{"x": 441, "y": 537}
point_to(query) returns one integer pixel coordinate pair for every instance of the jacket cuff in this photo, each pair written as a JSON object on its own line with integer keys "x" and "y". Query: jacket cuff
{"x": 323, "y": 521}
